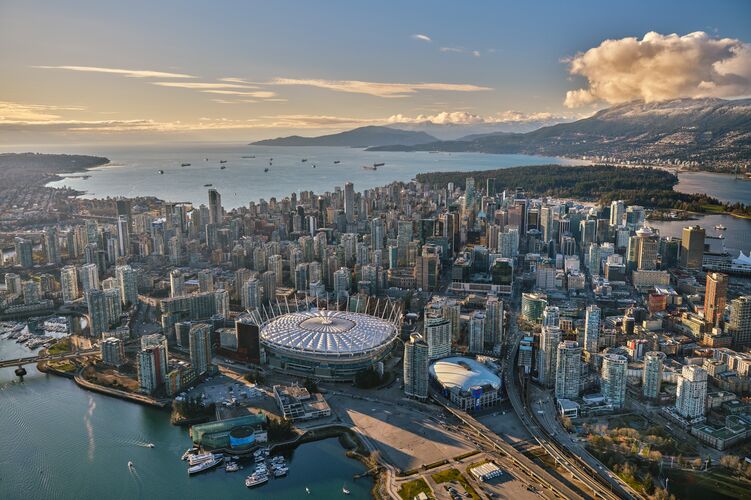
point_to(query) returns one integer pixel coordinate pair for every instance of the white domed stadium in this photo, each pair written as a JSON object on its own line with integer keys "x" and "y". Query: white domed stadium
{"x": 331, "y": 345}
{"x": 466, "y": 382}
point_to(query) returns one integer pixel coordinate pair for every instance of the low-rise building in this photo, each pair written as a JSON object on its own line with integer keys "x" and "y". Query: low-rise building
{"x": 297, "y": 403}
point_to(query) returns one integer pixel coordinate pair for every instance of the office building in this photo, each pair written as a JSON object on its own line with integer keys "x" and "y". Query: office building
{"x": 691, "y": 393}
{"x": 216, "y": 212}
{"x": 200, "y": 347}
{"x": 613, "y": 379}
{"x": 715, "y": 297}
{"x": 349, "y": 202}
{"x": 568, "y": 370}
{"x": 651, "y": 377}
{"x": 416, "y": 363}
{"x": 692, "y": 247}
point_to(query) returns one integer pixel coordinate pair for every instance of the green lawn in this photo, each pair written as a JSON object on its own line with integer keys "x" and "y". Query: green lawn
{"x": 410, "y": 490}
{"x": 59, "y": 347}
{"x": 454, "y": 475}
{"x": 714, "y": 209}
{"x": 717, "y": 484}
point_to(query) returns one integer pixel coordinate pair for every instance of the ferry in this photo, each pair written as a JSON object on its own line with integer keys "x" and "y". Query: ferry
{"x": 255, "y": 479}
{"x": 204, "y": 466}
{"x": 378, "y": 164}
{"x": 207, "y": 185}
{"x": 185, "y": 164}
{"x": 252, "y": 156}
{"x": 203, "y": 457}
{"x": 368, "y": 167}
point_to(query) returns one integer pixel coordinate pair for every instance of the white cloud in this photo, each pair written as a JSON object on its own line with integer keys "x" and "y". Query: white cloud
{"x": 466, "y": 118}
{"x": 13, "y": 111}
{"x": 660, "y": 67}
{"x": 377, "y": 88}
{"x": 451, "y": 49}
{"x": 262, "y": 94}
{"x": 476, "y": 53}
{"x": 199, "y": 85}
{"x": 130, "y": 73}
{"x": 421, "y": 37}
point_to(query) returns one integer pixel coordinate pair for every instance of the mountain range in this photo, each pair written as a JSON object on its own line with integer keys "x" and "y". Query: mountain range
{"x": 361, "y": 137}
{"x": 715, "y": 133}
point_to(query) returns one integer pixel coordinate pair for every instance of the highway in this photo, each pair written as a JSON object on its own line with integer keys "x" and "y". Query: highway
{"x": 601, "y": 482}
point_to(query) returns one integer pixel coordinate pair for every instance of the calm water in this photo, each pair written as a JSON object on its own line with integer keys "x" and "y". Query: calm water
{"x": 721, "y": 186}
{"x": 61, "y": 442}
{"x": 134, "y": 170}
{"x": 737, "y": 235}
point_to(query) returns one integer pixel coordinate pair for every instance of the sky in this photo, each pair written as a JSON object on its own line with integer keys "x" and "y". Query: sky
{"x": 145, "y": 71}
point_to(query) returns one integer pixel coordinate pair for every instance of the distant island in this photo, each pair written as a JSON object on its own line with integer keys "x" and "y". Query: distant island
{"x": 696, "y": 134}
{"x": 362, "y": 137}
{"x": 37, "y": 169}
{"x": 645, "y": 186}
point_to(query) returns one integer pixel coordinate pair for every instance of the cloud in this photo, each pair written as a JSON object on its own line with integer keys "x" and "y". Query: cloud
{"x": 451, "y": 49}
{"x": 13, "y": 111}
{"x": 466, "y": 118}
{"x": 476, "y": 53}
{"x": 263, "y": 94}
{"x": 130, "y": 73}
{"x": 377, "y": 88}
{"x": 237, "y": 80}
{"x": 660, "y": 67}
{"x": 421, "y": 37}
{"x": 199, "y": 85}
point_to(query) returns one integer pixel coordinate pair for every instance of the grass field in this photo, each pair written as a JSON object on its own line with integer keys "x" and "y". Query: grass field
{"x": 717, "y": 484}
{"x": 410, "y": 490}
{"x": 454, "y": 475}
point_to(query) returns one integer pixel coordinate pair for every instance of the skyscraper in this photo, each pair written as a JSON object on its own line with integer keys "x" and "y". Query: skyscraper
{"x": 112, "y": 351}
{"x": 416, "y": 361}
{"x": 715, "y": 297}
{"x": 51, "y": 245}
{"x": 89, "y": 277}
{"x": 128, "y": 282}
{"x": 427, "y": 271}
{"x": 176, "y": 283}
{"x": 691, "y": 393}
{"x": 349, "y": 202}
{"x": 24, "y": 253}
{"x": 476, "y": 332}
{"x": 739, "y": 325}
{"x": 617, "y": 211}
{"x": 216, "y": 213}
{"x": 123, "y": 236}
{"x": 151, "y": 372}
{"x": 692, "y": 247}
{"x": 437, "y": 335}
{"x": 647, "y": 249}
{"x": 651, "y": 375}
{"x": 551, "y": 316}
{"x": 200, "y": 347}
{"x": 592, "y": 329}
{"x": 613, "y": 378}
{"x": 547, "y": 355}
{"x": 568, "y": 370}
{"x": 96, "y": 301}
{"x": 494, "y": 321}
{"x": 251, "y": 295}
{"x": 69, "y": 283}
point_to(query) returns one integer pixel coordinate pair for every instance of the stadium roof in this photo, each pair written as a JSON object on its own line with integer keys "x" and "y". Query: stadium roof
{"x": 328, "y": 332}
{"x": 463, "y": 374}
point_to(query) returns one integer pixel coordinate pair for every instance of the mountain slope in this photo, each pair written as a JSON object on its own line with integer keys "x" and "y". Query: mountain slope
{"x": 715, "y": 133}
{"x": 359, "y": 137}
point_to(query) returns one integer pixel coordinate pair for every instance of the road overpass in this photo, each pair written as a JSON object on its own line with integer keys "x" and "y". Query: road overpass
{"x": 6, "y": 363}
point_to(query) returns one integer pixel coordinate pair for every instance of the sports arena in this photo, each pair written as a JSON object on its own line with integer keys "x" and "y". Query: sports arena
{"x": 328, "y": 345}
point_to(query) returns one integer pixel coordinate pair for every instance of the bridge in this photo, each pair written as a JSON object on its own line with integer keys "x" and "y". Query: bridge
{"x": 6, "y": 363}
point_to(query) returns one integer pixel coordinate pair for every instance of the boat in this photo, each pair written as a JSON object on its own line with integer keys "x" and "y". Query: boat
{"x": 265, "y": 169}
{"x": 161, "y": 172}
{"x": 368, "y": 167}
{"x": 378, "y": 164}
{"x": 337, "y": 162}
{"x": 207, "y": 185}
{"x": 232, "y": 467}
{"x": 720, "y": 227}
{"x": 188, "y": 453}
{"x": 304, "y": 160}
{"x": 281, "y": 472}
{"x": 345, "y": 490}
{"x": 150, "y": 445}
{"x": 256, "y": 479}
{"x": 222, "y": 161}
{"x": 203, "y": 457}
{"x": 307, "y": 490}
{"x": 131, "y": 466}
{"x": 185, "y": 164}
{"x": 247, "y": 157}
{"x": 204, "y": 466}
{"x": 223, "y": 167}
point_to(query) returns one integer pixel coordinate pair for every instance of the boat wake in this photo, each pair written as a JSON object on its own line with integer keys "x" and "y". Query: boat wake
{"x": 90, "y": 427}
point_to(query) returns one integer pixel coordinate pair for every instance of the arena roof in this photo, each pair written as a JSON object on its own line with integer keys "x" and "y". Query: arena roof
{"x": 463, "y": 374}
{"x": 326, "y": 332}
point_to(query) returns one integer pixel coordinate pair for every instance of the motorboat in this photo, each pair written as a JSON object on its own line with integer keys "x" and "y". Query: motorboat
{"x": 345, "y": 490}
{"x": 232, "y": 467}
{"x": 223, "y": 167}
{"x": 256, "y": 479}
{"x": 222, "y": 161}
{"x": 131, "y": 466}
{"x": 368, "y": 167}
{"x": 281, "y": 472}
{"x": 204, "y": 466}
{"x": 207, "y": 185}
{"x": 150, "y": 445}
{"x": 185, "y": 164}
{"x": 337, "y": 162}
{"x": 161, "y": 172}
{"x": 203, "y": 457}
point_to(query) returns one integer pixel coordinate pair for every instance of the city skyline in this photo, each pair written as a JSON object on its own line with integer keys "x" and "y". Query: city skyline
{"x": 250, "y": 71}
